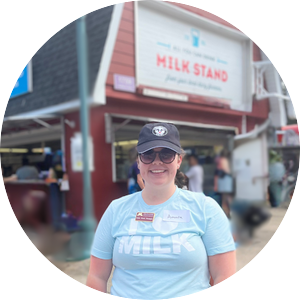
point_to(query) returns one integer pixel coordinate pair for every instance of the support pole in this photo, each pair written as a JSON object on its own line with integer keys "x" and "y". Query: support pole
{"x": 81, "y": 241}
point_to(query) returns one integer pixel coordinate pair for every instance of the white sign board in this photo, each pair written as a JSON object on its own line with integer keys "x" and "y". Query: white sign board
{"x": 76, "y": 153}
{"x": 185, "y": 56}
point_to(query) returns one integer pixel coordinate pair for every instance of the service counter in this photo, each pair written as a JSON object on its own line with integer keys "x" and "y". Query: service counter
{"x": 34, "y": 202}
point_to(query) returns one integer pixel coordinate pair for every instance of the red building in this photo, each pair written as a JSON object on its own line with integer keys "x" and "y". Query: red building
{"x": 148, "y": 61}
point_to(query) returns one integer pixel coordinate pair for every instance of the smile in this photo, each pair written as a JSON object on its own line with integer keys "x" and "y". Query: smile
{"x": 157, "y": 171}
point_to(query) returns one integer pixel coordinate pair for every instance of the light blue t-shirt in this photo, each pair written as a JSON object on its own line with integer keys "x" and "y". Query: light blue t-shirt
{"x": 165, "y": 258}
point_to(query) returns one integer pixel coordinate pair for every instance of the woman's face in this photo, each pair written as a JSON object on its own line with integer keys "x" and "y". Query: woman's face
{"x": 158, "y": 173}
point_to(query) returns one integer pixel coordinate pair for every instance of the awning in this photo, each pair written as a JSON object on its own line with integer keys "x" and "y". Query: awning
{"x": 293, "y": 127}
{"x": 22, "y": 130}
{"x": 129, "y": 125}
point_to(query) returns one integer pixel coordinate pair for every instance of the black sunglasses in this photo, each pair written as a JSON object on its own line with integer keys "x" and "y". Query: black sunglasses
{"x": 167, "y": 156}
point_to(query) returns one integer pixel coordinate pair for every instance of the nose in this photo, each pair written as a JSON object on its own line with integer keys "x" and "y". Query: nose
{"x": 157, "y": 159}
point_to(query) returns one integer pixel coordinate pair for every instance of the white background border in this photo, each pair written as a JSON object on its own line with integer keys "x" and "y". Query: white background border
{"x": 27, "y": 25}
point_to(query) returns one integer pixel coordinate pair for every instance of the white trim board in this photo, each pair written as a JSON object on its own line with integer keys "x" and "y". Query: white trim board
{"x": 59, "y": 109}
{"x": 99, "y": 94}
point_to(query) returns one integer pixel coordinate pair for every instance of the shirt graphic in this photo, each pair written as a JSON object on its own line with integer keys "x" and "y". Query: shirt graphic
{"x": 134, "y": 243}
{"x": 164, "y": 258}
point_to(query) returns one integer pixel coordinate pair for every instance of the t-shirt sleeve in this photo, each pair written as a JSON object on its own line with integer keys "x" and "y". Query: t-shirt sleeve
{"x": 103, "y": 243}
{"x": 217, "y": 237}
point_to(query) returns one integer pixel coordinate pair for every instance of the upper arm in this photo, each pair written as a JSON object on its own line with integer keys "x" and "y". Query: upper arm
{"x": 11, "y": 178}
{"x": 222, "y": 266}
{"x": 101, "y": 253}
{"x": 219, "y": 243}
{"x": 225, "y": 165}
{"x": 217, "y": 237}
{"x": 104, "y": 240}
{"x": 100, "y": 268}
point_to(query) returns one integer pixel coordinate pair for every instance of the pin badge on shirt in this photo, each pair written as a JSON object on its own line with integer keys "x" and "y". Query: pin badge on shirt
{"x": 145, "y": 217}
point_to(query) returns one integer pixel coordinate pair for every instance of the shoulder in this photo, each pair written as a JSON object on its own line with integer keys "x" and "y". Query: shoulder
{"x": 125, "y": 201}
{"x": 192, "y": 198}
{"x": 200, "y": 200}
{"x": 212, "y": 209}
{"x": 211, "y": 203}
{"x": 120, "y": 208}
{"x": 21, "y": 169}
{"x": 203, "y": 209}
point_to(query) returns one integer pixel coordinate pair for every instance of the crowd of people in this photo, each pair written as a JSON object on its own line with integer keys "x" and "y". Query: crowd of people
{"x": 49, "y": 169}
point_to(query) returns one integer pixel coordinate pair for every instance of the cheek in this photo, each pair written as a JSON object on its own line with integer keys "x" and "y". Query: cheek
{"x": 174, "y": 169}
{"x": 142, "y": 169}
{"x": 139, "y": 165}
{"x": 179, "y": 161}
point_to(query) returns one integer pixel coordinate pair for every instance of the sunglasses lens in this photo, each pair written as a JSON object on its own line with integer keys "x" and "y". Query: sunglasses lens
{"x": 148, "y": 157}
{"x": 167, "y": 156}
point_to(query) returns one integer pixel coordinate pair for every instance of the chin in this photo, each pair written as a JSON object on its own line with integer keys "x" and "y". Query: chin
{"x": 161, "y": 183}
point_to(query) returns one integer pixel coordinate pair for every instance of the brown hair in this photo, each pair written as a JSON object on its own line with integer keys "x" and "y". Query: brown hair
{"x": 181, "y": 179}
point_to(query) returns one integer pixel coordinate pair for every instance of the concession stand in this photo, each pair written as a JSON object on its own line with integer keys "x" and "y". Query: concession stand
{"x": 187, "y": 67}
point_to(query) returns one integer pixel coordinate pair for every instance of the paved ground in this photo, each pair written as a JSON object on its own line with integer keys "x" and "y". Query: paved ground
{"x": 262, "y": 236}
{"x": 78, "y": 270}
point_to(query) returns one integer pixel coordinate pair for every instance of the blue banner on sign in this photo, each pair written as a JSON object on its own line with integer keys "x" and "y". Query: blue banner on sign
{"x": 22, "y": 86}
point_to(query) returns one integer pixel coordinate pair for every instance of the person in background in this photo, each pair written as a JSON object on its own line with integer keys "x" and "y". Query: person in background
{"x": 26, "y": 172}
{"x": 195, "y": 174}
{"x": 30, "y": 213}
{"x": 164, "y": 241}
{"x": 135, "y": 182}
{"x": 223, "y": 182}
{"x": 57, "y": 164}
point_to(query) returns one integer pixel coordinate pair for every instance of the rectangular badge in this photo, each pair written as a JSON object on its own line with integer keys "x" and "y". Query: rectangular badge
{"x": 145, "y": 217}
{"x": 180, "y": 216}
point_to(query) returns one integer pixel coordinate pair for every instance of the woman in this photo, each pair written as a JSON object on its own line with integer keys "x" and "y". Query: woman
{"x": 164, "y": 241}
{"x": 223, "y": 182}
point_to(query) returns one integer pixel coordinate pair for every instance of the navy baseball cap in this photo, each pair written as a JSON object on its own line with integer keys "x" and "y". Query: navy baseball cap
{"x": 154, "y": 135}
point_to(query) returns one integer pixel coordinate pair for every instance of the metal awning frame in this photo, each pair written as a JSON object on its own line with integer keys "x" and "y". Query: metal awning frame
{"x": 260, "y": 92}
{"x": 109, "y": 130}
{"x": 39, "y": 119}
{"x": 258, "y": 129}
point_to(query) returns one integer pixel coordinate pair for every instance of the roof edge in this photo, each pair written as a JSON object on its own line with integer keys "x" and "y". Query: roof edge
{"x": 98, "y": 94}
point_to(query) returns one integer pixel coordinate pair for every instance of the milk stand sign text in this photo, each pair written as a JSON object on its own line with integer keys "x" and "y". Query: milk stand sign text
{"x": 176, "y": 55}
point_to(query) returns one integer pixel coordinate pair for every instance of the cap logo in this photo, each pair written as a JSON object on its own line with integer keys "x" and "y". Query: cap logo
{"x": 159, "y": 131}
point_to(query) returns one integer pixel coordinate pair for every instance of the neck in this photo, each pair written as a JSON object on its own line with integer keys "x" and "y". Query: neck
{"x": 155, "y": 196}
